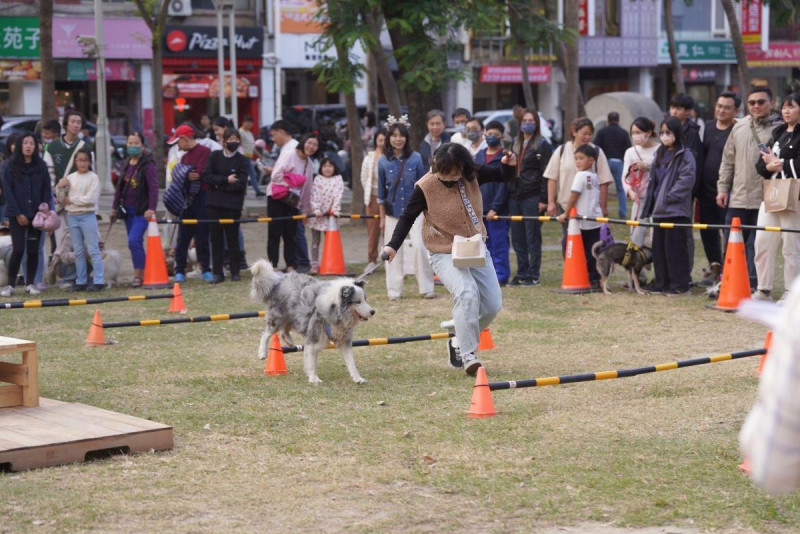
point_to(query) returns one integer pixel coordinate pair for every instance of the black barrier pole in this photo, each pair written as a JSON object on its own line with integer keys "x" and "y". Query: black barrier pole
{"x": 262, "y": 219}
{"x": 27, "y": 304}
{"x": 693, "y": 226}
{"x": 379, "y": 341}
{"x": 179, "y": 320}
{"x": 621, "y": 373}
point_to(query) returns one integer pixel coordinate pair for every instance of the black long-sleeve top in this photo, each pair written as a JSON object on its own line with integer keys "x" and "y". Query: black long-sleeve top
{"x": 417, "y": 203}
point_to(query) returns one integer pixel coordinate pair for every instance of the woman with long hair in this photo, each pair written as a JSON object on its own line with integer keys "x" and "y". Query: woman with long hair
{"x": 669, "y": 200}
{"x": 290, "y": 166}
{"x": 527, "y": 196}
{"x": 310, "y": 144}
{"x": 136, "y": 199}
{"x": 26, "y": 185}
{"x": 399, "y": 169}
{"x": 369, "y": 183}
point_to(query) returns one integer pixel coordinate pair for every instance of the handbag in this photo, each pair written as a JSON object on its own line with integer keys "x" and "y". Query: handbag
{"x": 781, "y": 194}
{"x": 470, "y": 251}
{"x": 289, "y": 194}
{"x": 46, "y": 219}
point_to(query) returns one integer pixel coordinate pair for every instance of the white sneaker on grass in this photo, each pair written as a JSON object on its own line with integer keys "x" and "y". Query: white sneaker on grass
{"x": 450, "y": 324}
{"x": 30, "y": 290}
{"x": 7, "y": 291}
{"x": 471, "y": 363}
{"x": 762, "y": 294}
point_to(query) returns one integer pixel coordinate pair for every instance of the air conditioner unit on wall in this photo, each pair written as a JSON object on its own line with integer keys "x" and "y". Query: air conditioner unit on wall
{"x": 180, "y": 8}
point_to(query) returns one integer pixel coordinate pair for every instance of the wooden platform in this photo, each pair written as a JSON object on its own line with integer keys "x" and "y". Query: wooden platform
{"x": 57, "y": 433}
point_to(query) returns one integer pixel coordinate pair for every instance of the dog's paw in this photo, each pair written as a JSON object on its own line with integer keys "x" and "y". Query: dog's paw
{"x": 314, "y": 380}
{"x": 262, "y": 356}
{"x": 360, "y": 380}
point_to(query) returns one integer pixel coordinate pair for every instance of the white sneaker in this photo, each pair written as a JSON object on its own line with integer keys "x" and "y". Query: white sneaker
{"x": 450, "y": 324}
{"x": 471, "y": 363}
{"x": 454, "y": 354}
{"x": 761, "y": 294}
{"x": 7, "y": 291}
{"x": 30, "y": 290}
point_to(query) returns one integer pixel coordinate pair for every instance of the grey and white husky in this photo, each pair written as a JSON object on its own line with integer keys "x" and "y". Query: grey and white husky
{"x": 319, "y": 310}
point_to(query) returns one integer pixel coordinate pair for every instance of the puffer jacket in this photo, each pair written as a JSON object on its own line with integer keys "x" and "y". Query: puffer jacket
{"x": 669, "y": 194}
{"x": 789, "y": 153}
{"x": 737, "y": 172}
{"x": 25, "y": 187}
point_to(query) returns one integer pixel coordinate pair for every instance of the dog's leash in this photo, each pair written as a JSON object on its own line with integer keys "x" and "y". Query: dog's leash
{"x": 371, "y": 268}
{"x": 108, "y": 232}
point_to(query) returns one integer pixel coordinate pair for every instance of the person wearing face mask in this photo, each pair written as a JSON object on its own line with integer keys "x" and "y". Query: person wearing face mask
{"x": 474, "y": 135}
{"x": 449, "y": 200}
{"x": 669, "y": 200}
{"x": 495, "y": 202}
{"x": 460, "y": 117}
{"x": 636, "y": 165}
{"x": 226, "y": 174}
{"x": 135, "y": 200}
{"x": 614, "y": 141}
{"x": 525, "y": 198}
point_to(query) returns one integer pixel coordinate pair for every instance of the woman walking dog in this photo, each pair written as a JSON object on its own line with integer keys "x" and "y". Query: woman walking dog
{"x": 449, "y": 197}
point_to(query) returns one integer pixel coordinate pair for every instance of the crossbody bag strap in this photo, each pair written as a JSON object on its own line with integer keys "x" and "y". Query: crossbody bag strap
{"x": 399, "y": 179}
{"x": 467, "y": 204}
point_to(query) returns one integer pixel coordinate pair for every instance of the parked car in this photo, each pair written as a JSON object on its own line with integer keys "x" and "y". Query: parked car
{"x": 17, "y": 124}
{"x": 503, "y": 115}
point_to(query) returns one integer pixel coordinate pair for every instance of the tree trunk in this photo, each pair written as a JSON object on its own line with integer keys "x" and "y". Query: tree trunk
{"x": 738, "y": 45}
{"x": 527, "y": 90}
{"x": 158, "y": 113}
{"x": 372, "y": 88}
{"x": 570, "y": 49}
{"x": 677, "y": 72}
{"x": 354, "y": 135}
{"x": 390, "y": 90}
{"x": 48, "y": 72}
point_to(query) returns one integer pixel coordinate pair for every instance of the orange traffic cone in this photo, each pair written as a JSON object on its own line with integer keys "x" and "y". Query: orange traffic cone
{"x": 482, "y": 404}
{"x": 276, "y": 364}
{"x": 744, "y": 467}
{"x": 735, "y": 280}
{"x": 96, "y": 337}
{"x": 332, "y": 255}
{"x": 767, "y": 343}
{"x": 576, "y": 275}
{"x": 176, "y": 303}
{"x": 155, "y": 266}
{"x": 486, "y": 342}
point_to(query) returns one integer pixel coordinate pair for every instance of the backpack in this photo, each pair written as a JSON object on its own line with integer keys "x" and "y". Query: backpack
{"x": 181, "y": 191}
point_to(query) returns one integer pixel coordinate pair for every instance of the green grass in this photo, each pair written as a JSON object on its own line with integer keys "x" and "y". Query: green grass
{"x": 399, "y": 453}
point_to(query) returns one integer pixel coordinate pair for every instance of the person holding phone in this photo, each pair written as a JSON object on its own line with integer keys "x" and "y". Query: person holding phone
{"x": 739, "y": 188}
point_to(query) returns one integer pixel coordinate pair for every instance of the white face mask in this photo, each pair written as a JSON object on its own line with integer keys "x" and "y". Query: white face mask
{"x": 639, "y": 139}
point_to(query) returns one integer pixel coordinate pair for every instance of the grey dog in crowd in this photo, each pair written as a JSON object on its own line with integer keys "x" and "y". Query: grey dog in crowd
{"x": 318, "y": 310}
{"x": 613, "y": 255}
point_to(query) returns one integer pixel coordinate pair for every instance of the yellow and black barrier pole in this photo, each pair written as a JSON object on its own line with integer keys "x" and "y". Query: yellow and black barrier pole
{"x": 621, "y": 373}
{"x": 379, "y": 341}
{"x": 179, "y": 320}
{"x": 28, "y": 304}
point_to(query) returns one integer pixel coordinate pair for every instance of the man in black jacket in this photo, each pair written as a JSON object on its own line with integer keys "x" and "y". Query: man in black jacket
{"x": 715, "y": 136}
{"x": 614, "y": 141}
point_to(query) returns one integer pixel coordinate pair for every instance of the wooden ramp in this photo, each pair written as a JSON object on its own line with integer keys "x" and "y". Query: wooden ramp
{"x": 57, "y": 433}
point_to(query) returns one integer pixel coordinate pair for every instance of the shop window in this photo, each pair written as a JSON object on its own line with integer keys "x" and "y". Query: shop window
{"x": 613, "y": 11}
{"x": 695, "y": 17}
{"x": 719, "y": 21}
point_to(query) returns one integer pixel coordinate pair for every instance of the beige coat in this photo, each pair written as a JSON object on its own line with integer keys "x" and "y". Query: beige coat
{"x": 369, "y": 175}
{"x": 561, "y": 169}
{"x": 737, "y": 172}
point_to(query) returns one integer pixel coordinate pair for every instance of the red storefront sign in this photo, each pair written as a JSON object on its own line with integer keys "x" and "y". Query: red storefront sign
{"x": 513, "y": 74}
{"x": 751, "y": 23}
{"x": 583, "y": 17}
{"x": 779, "y": 54}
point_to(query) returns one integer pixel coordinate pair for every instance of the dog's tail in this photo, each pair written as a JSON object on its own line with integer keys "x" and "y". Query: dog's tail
{"x": 596, "y": 248}
{"x": 264, "y": 280}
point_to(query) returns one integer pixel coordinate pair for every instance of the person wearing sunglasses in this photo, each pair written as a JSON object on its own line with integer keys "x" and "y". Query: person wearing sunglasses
{"x": 739, "y": 189}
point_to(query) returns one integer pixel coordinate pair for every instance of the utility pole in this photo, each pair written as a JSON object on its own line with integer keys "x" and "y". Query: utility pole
{"x": 102, "y": 153}
{"x": 219, "y": 6}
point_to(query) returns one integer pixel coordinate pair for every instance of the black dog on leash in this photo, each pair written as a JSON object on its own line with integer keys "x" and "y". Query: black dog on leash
{"x": 609, "y": 255}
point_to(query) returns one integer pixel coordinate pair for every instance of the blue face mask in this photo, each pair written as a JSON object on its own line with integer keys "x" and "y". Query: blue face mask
{"x": 528, "y": 127}
{"x": 493, "y": 140}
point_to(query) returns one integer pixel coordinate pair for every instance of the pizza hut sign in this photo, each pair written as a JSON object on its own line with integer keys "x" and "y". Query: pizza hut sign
{"x": 201, "y": 41}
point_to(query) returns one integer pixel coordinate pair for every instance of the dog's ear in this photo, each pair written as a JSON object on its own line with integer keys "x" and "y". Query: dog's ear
{"x": 347, "y": 293}
{"x": 359, "y": 283}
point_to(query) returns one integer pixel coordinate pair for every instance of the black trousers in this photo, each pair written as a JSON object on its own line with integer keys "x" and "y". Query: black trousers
{"x": 589, "y": 238}
{"x": 671, "y": 255}
{"x": 220, "y": 233}
{"x": 23, "y": 239}
{"x": 286, "y": 230}
{"x": 710, "y": 213}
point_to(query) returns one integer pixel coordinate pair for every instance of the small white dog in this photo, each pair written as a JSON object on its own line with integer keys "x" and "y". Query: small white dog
{"x": 318, "y": 310}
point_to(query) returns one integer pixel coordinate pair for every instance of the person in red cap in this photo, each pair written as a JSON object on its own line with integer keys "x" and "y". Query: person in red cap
{"x": 196, "y": 156}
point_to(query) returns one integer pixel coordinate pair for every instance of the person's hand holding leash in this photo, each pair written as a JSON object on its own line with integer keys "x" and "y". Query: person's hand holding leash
{"x": 389, "y": 252}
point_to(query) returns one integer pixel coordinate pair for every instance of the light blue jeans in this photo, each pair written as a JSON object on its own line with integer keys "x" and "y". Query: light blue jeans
{"x": 477, "y": 298}
{"x": 83, "y": 228}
